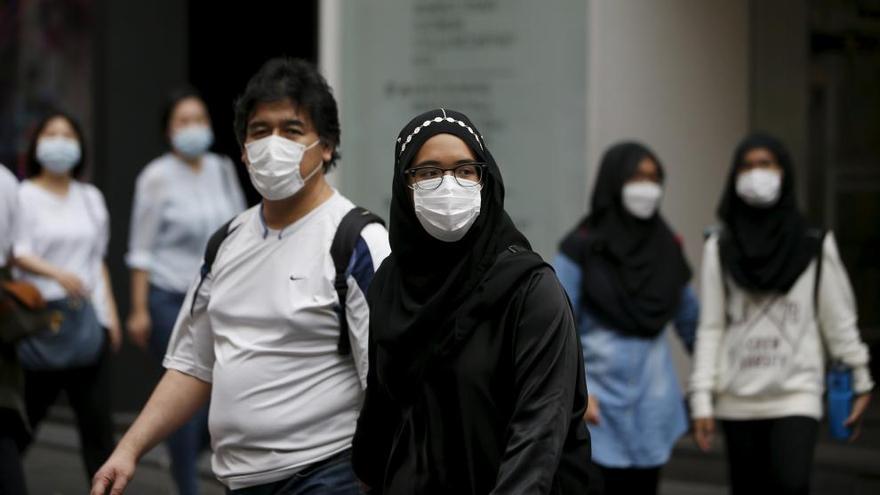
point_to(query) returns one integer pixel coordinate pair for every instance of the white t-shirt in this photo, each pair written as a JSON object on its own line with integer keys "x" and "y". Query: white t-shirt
{"x": 70, "y": 232}
{"x": 8, "y": 200}
{"x": 264, "y": 331}
{"x": 176, "y": 209}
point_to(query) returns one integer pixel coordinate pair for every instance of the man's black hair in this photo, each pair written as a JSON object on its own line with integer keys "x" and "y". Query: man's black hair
{"x": 300, "y": 82}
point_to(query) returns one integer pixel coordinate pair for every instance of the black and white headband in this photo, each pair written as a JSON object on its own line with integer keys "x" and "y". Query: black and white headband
{"x": 444, "y": 119}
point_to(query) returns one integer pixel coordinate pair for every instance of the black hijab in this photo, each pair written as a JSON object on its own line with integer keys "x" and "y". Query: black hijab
{"x": 426, "y": 290}
{"x": 764, "y": 249}
{"x": 633, "y": 270}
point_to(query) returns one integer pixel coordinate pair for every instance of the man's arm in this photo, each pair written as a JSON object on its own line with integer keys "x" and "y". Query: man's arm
{"x": 176, "y": 398}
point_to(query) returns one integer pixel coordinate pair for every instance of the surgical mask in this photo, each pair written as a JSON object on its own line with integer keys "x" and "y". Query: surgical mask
{"x": 759, "y": 187}
{"x": 275, "y": 166}
{"x": 193, "y": 140}
{"x": 448, "y": 212}
{"x": 58, "y": 154}
{"x": 642, "y": 198}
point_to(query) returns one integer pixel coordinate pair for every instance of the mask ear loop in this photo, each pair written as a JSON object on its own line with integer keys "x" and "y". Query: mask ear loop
{"x": 313, "y": 172}
{"x": 319, "y": 167}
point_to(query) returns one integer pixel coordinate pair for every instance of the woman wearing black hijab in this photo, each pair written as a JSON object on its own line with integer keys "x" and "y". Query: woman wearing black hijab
{"x": 776, "y": 299}
{"x": 475, "y": 383}
{"x": 626, "y": 275}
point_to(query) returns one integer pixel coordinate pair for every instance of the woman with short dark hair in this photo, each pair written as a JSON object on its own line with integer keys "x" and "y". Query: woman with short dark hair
{"x": 62, "y": 228}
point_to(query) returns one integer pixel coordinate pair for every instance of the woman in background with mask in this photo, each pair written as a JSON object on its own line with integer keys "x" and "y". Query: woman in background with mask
{"x": 627, "y": 278}
{"x": 776, "y": 299}
{"x": 475, "y": 382}
{"x": 180, "y": 198}
{"x": 60, "y": 241}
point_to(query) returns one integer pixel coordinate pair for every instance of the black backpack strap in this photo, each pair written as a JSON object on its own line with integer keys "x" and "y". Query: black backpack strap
{"x": 820, "y": 253}
{"x": 211, "y": 250}
{"x": 342, "y": 249}
{"x": 817, "y": 282}
{"x": 718, "y": 232}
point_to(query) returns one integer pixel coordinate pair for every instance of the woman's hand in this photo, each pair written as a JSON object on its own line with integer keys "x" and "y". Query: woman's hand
{"x": 71, "y": 284}
{"x": 114, "y": 333}
{"x": 704, "y": 432}
{"x": 139, "y": 328}
{"x": 860, "y": 405}
{"x": 591, "y": 415}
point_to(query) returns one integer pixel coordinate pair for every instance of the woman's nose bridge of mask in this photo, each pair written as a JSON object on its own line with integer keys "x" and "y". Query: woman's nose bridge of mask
{"x": 447, "y": 171}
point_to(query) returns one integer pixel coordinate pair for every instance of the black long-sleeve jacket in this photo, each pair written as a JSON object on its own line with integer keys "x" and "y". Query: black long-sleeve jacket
{"x": 501, "y": 415}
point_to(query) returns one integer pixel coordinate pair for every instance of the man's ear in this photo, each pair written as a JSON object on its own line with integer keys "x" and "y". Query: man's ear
{"x": 327, "y": 149}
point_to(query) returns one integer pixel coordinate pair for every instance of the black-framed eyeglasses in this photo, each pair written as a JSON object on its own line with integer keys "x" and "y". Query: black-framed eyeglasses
{"x": 429, "y": 178}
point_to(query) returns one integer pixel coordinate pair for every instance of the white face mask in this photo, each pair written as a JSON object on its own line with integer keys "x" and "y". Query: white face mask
{"x": 447, "y": 212}
{"x": 759, "y": 187}
{"x": 58, "y": 154}
{"x": 275, "y": 166}
{"x": 193, "y": 140}
{"x": 641, "y": 199}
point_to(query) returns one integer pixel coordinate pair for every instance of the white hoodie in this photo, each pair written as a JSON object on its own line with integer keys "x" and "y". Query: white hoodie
{"x": 767, "y": 358}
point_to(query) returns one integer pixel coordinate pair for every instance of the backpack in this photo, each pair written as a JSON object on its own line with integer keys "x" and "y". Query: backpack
{"x": 341, "y": 250}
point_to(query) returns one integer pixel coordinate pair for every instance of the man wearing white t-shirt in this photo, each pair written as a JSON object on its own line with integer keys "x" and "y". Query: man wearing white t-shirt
{"x": 13, "y": 419}
{"x": 8, "y": 189}
{"x": 259, "y": 332}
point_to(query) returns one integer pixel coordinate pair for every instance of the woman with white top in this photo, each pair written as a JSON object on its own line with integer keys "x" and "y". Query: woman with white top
{"x": 776, "y": 299}
{"x": 180, "y": 198}
{"x": 59, "y": 245}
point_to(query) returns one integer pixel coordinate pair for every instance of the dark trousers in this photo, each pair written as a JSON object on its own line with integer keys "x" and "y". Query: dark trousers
{"x": 11, "y": 472}
{"x": 332, "y": 476}
{"x": 770, "y": 456}
{"x": 88, "y": 392}
{"x": 629, "y": 481}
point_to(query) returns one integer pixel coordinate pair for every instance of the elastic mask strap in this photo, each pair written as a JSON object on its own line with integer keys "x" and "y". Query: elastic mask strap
{"x": 315, "y": 171}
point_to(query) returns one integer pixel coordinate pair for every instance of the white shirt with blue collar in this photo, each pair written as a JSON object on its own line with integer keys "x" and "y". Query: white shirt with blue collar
{"x": 264, "y": 331}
